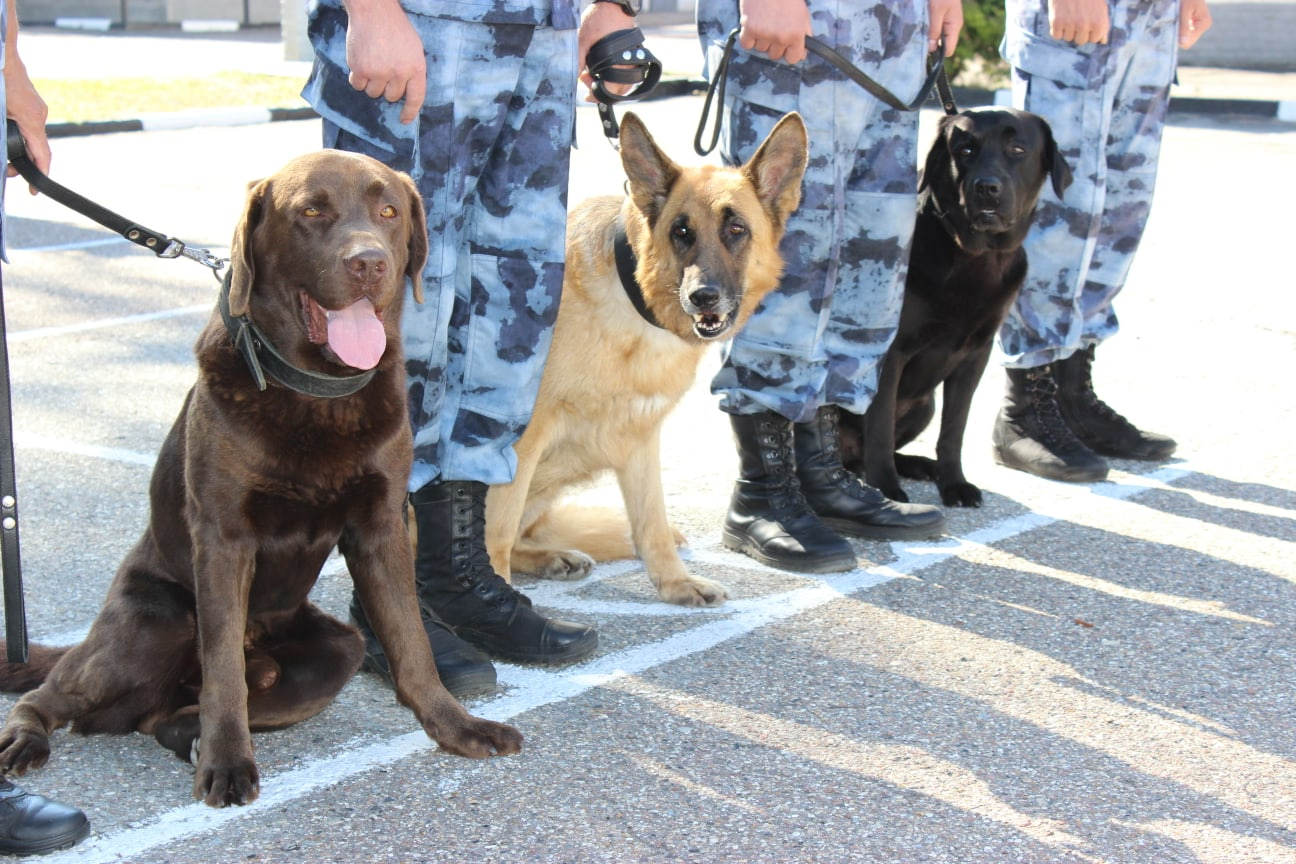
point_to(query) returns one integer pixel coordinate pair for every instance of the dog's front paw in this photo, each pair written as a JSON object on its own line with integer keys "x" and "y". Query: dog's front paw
{"x": 566, "y": 565}
{"x": 237, "y": 782}
{"x": 693, "y": 591}
{"x": 22, "y": 748}
{"x": 962, "y": 494}
{"x": 477, "y": 738}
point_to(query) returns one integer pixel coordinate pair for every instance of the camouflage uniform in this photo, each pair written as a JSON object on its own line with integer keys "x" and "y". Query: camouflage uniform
{"x": 1107, "y": 106}
{"x": 489, "y": 152}
{"x": 820, "y": 337}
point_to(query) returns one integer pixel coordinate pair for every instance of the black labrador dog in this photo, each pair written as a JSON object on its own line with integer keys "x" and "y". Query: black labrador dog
{"x": 977, "y": 197}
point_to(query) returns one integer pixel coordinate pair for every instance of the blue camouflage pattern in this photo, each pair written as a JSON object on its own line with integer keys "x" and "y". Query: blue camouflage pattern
{"x": 820, "y": 337}
{"x": 490, "y": 153}
{"x": 1107, "y": 106}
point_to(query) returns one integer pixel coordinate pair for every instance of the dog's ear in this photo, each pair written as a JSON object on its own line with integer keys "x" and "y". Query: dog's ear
{"x": 650, "y": 171}
{"x": 418, "y": 239}
{"x": 938, "y": 155}
{"x": 778, "y": 166}
{"x": 1054, "y": 162}
{"x": 242, "y": 267}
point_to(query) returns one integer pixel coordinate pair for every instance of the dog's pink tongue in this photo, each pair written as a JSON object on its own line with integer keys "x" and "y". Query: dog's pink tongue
{"x": 356, "y": 335}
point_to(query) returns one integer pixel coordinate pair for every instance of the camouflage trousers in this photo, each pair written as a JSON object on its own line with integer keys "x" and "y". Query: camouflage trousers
{"x": 1107, "y": 106}
{"x": 820, "y": 337}
{"x": 490, "y": 152}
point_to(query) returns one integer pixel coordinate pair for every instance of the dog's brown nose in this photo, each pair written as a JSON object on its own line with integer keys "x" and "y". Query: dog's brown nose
{"x": 367, "y": 265}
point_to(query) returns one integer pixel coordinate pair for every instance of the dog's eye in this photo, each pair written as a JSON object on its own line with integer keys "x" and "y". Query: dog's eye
{"x": 965, "y": 150}
{"x": 736, "y": 229}
{"x": 388, "y": 212}
{"x": 681, "y": 231}
{"x": 311, "y": 212}
{"x": 1016, "y": 149}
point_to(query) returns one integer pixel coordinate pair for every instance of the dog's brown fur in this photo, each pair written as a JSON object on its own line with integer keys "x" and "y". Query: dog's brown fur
{"x": 250, "y": 492}
{"x": 706, "y": 243}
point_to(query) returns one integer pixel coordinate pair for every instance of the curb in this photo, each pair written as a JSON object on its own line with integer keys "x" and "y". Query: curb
{"x": 1281, "y": 110}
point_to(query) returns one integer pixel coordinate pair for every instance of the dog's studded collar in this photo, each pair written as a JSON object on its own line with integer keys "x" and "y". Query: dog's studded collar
{"x": 626, "y": 261}
{"x": 262, "y": 358}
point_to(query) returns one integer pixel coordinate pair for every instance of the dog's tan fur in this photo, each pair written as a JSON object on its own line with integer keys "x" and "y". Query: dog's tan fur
{"x": 698, "y": 233}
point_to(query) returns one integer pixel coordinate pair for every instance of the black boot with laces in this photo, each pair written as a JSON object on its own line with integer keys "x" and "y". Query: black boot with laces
{"x": 454, "y": 577}
{"x": 844, "y": 501}
{"x": 1030, "y": 434}
{"x": 464, "y": 670}
{"x": 768, "y": 517}
{"x": 1094, "y": 422}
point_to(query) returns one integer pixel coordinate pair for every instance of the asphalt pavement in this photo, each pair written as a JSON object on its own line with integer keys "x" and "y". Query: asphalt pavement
{"x": 1076, "y": 673}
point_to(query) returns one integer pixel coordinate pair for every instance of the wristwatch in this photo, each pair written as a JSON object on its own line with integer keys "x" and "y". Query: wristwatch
{"x": 631, "y": 7}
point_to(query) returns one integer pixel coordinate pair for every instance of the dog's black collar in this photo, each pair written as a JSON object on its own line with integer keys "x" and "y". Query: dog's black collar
{"x": 930, "y": 203}
{"x": 261, "y": 358}
{"x": 626, "y": 261}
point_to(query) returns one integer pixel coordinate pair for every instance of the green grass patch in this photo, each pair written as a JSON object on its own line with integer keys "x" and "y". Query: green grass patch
{"x": 125, "y": 98}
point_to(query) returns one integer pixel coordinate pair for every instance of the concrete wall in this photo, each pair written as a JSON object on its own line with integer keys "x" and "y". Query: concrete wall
{"x": 1255, "y": 34}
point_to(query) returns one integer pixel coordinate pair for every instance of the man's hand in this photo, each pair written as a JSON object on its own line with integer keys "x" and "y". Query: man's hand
{"x": 23, "y": 104}
{"x": 599, "y": 20}
{"x": 1079, "y": 21}
{"x": 1194, "y": 20}
{"x": 946, "y": 17}
{"x": 776, "y": 28}
{"x": 385, "y": 55}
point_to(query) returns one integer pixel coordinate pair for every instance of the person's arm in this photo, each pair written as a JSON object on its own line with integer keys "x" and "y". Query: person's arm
{"x": 385, "y": 54}
{"x": 24, "y": 105}
{"x": 1079, "y": 21}
{"x": 776, "y": 28}
{"x": 1194, "y": 20}
{"x": 946, "y": 17}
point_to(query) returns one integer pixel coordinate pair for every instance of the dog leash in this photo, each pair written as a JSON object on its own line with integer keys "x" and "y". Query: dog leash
{"x": 620, "y": 58}
{"x": 936, "y": 79}
{"x": 16, "y": 642}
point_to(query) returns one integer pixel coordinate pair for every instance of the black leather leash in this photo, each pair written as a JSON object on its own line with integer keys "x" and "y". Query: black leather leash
{"x": 16, "y": 643}
{"x": 621, "y": 58}
{"x": 936, "y": 79}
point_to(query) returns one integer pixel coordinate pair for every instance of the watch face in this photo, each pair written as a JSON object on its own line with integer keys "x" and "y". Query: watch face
{"x": 632, "y": 6}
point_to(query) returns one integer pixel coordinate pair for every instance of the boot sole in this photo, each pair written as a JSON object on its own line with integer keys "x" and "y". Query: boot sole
{"x": 885, "y": 532}
{"x": 742, "y": 544}
{"x": 470, "y": 683}
{"x": 580, "y": 651}
{"x": 1072, "y": 475}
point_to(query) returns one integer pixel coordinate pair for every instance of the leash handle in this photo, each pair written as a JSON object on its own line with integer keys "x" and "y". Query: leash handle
{"x": 155, "y": 241}
{"x": 936, "y": 78}
{"x": 621, "y": 58}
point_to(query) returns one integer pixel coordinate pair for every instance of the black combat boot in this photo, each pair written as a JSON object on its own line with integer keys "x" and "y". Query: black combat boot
{"x": 463, "y": 669}
{"x": 1030, "y": 434}
{"x": 843, "y": 500}
{"x": 768, "y": 517}
{"x": 454, "y": 577}
{"x": 35, "y": 825}
{"x": 1094, "y": 422}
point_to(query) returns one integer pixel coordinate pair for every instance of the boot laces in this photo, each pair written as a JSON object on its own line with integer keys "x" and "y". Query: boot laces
{"x": 477, "y": 574}
{"x": 777, "y": 443}
{"x": 1042, "y": 390}
{"x": 1090, "y": 402}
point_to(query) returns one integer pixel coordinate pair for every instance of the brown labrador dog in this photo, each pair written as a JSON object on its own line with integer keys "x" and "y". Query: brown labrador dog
{"x": 252, "y": 490}
{"x": 983, "y": 177}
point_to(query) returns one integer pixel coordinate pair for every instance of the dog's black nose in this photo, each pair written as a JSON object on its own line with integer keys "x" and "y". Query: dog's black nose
{"x": 987, "y": 188}
{"x": 367, "y": 264}
{"x": 705, "y": 297}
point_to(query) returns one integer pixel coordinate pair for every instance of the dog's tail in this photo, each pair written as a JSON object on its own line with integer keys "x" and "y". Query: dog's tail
{"x": 21, "y": 677}
{"x": 599, "y": 532}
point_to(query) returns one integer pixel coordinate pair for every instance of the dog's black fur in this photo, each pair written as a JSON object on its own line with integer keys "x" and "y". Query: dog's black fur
{"x": 977, "y": 197}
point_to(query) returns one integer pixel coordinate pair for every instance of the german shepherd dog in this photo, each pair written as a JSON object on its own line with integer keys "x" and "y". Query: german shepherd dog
{"x": 977, "y": 196}
{"x": 698, "y": 251}
{"x": 208, "y": 632}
